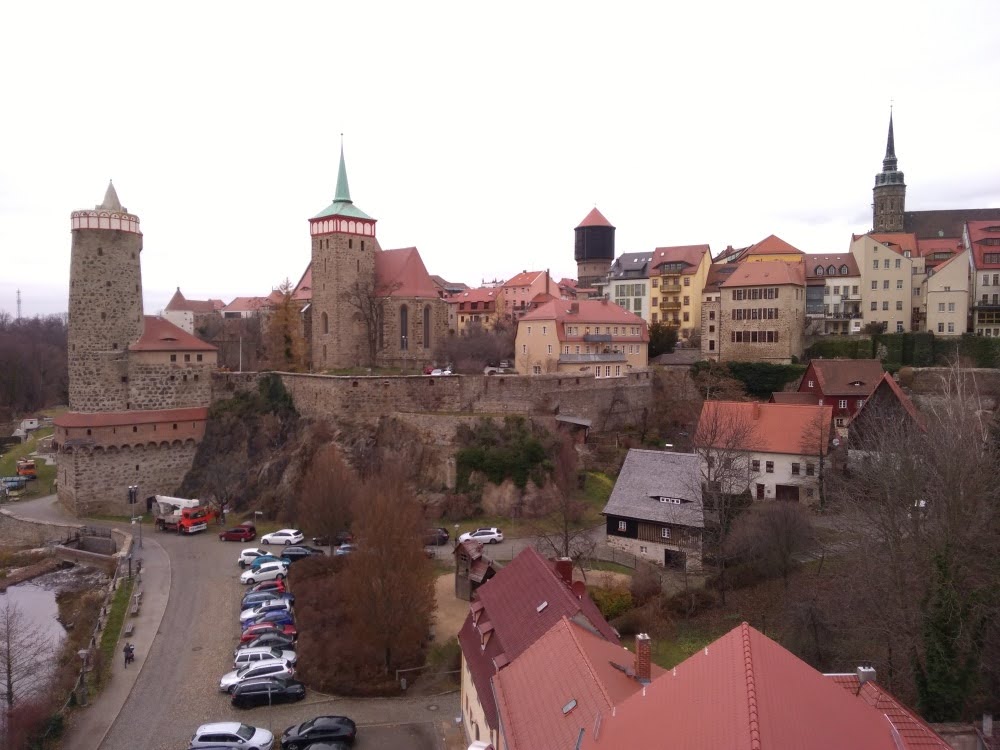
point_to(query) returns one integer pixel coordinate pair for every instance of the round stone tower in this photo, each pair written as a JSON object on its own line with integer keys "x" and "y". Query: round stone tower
{"x": 594, "y": 249}
{"x": 105, "y": 304}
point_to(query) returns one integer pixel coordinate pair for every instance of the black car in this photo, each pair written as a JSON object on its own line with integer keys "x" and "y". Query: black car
{"x": 341, "y": 537}
{"x": 320, "y": 729}
{"x": 273, "y": 640}
{"x": 328, "y": 746}
{"x": 266, "y": 691}
{"x": 300, "y": 552}
{"x": 436, "y": 537}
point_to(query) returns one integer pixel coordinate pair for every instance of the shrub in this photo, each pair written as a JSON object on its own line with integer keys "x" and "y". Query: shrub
{"x": 738, "y": 576}
{"x": 514, "y": 450}
{"x": 645, "y": 584}
{"x": 612, "y": 602}
{"x": 761, "y": 379}
{"x": 689, "y": 603}
{"x": 639, "y": 620}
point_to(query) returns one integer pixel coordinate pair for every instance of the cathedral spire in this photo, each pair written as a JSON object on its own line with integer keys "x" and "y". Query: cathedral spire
{"x": 889, "y": 163}
{"x": 889, "y": 194}
{"x": 343, "y": 194}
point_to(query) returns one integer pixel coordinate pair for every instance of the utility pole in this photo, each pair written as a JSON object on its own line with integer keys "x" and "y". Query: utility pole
{"x": 18, "y": 304}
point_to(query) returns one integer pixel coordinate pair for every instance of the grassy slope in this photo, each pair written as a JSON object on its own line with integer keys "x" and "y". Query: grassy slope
{"x": 46, "y": 472}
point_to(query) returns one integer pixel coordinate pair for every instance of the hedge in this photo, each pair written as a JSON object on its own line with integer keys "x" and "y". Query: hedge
{"x": 917, "y": 349}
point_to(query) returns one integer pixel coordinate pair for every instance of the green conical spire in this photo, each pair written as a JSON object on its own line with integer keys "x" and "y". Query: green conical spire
{"x": 343, "y": 194}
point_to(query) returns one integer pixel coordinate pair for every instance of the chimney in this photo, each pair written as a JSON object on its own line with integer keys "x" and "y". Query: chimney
{"x": 987, "y": 725}
{"x": 756, "y": 409}
{"x": 865, "y": 674}
{"x": 604, "y": 300}
{"x": 643, "y": 656}
{"x": 574, "y": 308}
{"x": 564, "y": 569}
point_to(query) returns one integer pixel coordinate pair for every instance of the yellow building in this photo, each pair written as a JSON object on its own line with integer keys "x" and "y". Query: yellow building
{"x": 587, "y": 337}
{"x": 891, "y": 289}
{"x": 772, "y": 248}
{"x": 676, "y": 282}
{"x": 947, "y": 293}
{"x": 472, "y": 307}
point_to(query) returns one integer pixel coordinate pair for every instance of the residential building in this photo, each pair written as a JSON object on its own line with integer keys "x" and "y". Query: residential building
{"x": 771, "y": 248}
{"x": 762, "y": 314}
{"x": 889, "y": 292}
{"x": 886, "y": 405}
{"x": 564, "y": 681}
{"x": 516, "y": 294}
{"x": 833, "y": 294}
{"x": 594, "y": 249}
{"x": 596, "y": 338}
{"x": 982, "y": 238}
{"x": 781, "y": 446}
{"x": 655, "y": 511}
{"x": 508, "y": 614}
{"x": 473, "y": 307}
{"x": 189, "y": 314}
{"x": 746, "y": 691}
{"x": 627, "y": 283}
{"x": 842, "y": 384}
{"x": 568, "y": 289}
{"x": 907, "y": 245}
{"x": 711, "y": 308}
{"x": 946, "y": 291}
{"x": 678, "y": 278}
{"x": 472, "y": 568}
{"x": 249, "y": 307}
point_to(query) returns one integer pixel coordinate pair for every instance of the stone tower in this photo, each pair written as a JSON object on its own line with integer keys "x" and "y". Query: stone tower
{"x": 594, "y": 249}
{"x": 105, "y": 304}
{"x": 889, "y": 192}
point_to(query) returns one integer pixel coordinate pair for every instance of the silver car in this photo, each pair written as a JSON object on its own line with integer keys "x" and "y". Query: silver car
{"x": 276, "y": 605}
{"x": 265, "y": 668}
{"x": 232, "y": 734}
{"x": 261, "y": 653}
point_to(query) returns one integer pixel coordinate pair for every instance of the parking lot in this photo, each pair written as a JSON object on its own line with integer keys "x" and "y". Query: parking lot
{"x": 178, "y": 688}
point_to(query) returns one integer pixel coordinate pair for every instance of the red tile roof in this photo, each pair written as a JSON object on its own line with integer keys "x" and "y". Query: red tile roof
{"x": 888, "y": 383}
{"x": 180, "y": 302}
{"x": 525, "y": 278}
{"x": 690, "y": 254}
{"x": 763, "y": 428}
{"x": 803, "y": 397}
{"x": 985, "y": 238}
{"x": 594, "y": 219}
{"x": 510, "y": 602}
{"x": 913, "y": 731}
{"x": 116, "y": 418}
{"x": 898, "y": 241}
{"x": 568, "y": 663}
{"x": 834, "y": 377}
{"x": 571, "y": 283}
{"x": 303, "y": 290}
{"x": 743, "y": 692}
{"x": 837, "y": 260}
{"x": 159, "y": 335}
{"x": 584, "y": 311}
{"x": 773, "y": 245}
{"x": 486, "y": 295}
{"x": 401, "y": 273}
{"x": 249, "y": 304}
{"x": 767, "y": 273}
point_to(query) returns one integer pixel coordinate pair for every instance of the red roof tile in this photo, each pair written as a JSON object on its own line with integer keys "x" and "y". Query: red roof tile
{"x": 763, "y": 428}
{"x": 985, "y": 238}
{"x": 401, "y": 273}
{"x": 159, "y": 335}
{"x": 766, "y": 273}
{"x": 116, "y": 418}
{"x": 525, "y": 278}
{"x": 899, "y": 241}
{"x": 888, "y": 384}
{"x": 249, "y": 304}
{"x": 717, "y": 274}
{"x": 594, "y": 219}
{"x": 743, "y": 692}
{"x": 568, "y": 663}
{"x": 586, "y": 311}
{"x": 913, "y": 731}
{"x": 303, "y": 290}
{"x": 484, "y": 294}
{"x": 690, "y": 254}
{"x": 773, "y": 245}
{"x": 795, "y": 397}
{"x": 180, "y": 302}
{"x": 835, "y": 377}
{"x": 510, "y": 602}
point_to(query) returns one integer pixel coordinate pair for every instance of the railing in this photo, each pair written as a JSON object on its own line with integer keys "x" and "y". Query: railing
{"x": 670, "y": 289}
{"x": 669, "y": 305}
{"x": 597, "y": 337}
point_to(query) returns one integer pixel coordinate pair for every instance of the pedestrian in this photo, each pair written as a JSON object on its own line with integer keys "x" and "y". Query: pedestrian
{"x": 127, "y": 652}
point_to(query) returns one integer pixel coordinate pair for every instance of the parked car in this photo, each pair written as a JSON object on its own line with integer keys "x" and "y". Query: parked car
{"x": 345, "y": 549}
{"x": 264, "y": 691}
{"x": 248, "y": 555}
{"x": 276, "y": 586}
{"x": 256, "y": 597}
{"x": 268, "y": 628}
{"x": 261, "y": 559}
{"x": 487, "y": 535}
{"x": 238, "y": 534}
{"x": 439, "y": 371}
{"x": 266, "y": 668}
{"x": 300, "y": 552}
{"x": 280, "y": 617}
{"x": 260, "y": 608}
{"x": 246, "y": 656}
{"x": 269, "y": 639}
{"x": 266, "y": 572}
{"x": 284, "y": 536}
{"x": 320, "y": 729}
{"x": 341, "y": 537}
{"x": 231, "y": 734}
{"x": 436, "y": 537}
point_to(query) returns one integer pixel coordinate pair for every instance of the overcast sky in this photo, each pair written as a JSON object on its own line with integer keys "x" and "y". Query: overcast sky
{"x": 481, "y": 133}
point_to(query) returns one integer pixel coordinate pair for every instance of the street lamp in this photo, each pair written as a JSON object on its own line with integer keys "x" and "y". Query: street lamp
{"x": 133, "y": 499}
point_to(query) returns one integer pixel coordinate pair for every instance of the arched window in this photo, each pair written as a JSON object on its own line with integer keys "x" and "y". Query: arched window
{"x": 326, "y": 323}
{"x": 831, "y": 271}
{"x": 843, "y": 271}
{"x": 404, "y": 327}
{"x": 427, "y": 326}
{"x": 819, "y": 270}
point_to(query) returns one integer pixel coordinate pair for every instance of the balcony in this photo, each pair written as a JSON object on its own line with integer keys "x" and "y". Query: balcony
{"x": 669, "y": 305}
{"x": 670, "y": 289}
{"x": 986, "y": 305}
{"x": 597, "y": 337}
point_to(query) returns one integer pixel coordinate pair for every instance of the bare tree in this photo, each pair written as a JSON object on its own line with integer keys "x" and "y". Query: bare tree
{"x": 476, "y": 348}
{"x": 327, "y": 493}
{"x": 564, "y": 535}
{"x": 716, "y": 383}
{"x": 816, "y": 436}
{"x": 367, "y": 298}
{"x": 772, "y": 537}
{"x": 25, "y": 656}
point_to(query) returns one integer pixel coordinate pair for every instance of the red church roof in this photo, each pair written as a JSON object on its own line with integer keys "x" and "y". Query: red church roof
{"x": 594, "y": 219}
{"x": 401, "y": 273}
{"x": 159, "y": 335}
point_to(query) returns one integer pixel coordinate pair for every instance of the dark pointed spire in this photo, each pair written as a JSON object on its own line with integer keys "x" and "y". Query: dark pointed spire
{"x": 889, "y": 163}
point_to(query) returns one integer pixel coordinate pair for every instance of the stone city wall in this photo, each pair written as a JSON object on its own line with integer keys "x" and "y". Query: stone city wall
{"x": 20, "y": 531}
{"x": 934, "y": 381}
{"x": 169, "y": 386}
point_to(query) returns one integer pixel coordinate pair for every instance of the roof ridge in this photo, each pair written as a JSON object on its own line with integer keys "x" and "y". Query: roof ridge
{"x": 751, "y": 687}
{"x": 586, "y": 660}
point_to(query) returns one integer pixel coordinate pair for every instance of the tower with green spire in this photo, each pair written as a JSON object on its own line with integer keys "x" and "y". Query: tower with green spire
{"x": 343, "y": 279}
{"x": 889, "y": 193}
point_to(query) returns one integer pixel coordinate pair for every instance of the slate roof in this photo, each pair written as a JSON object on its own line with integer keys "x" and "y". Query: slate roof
{"x": 887, "y": 387}
{"x": 763, "y": 428}
{"x": 837, "y": 260}
{"x": 744, "y": 692}
{"x": 949, "y": 223}
{"x": 646, "y": 476}
{"x": 631, "y": 266}
{"x": 508, "y": 609}
{"x": 401, "y": 273}
{"x": 160, "y": 335}
{"x": 717, "y": 274}
{"x": 834, "y": 376}
{"x": 568, "y": 663}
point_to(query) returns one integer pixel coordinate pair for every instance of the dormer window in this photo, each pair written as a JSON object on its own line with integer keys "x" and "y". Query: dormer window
{"x": 819, "y": 270}
{"x": 844, "y": 271}
{"x": 831, "y": 271}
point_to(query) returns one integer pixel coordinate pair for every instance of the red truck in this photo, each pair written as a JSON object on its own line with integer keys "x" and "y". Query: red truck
{"x": 182, "y": 515}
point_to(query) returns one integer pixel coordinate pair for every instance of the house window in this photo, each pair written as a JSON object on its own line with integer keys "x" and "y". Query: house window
{"x": 885, "y": 284}
{"x": 664, "y": 533}
{"x": 940, "y": 328}
{"x": 840, "y": 422}
{"x": 545, "y": 330}
{"x": 524, "y": 348}
{"x": 687, "y": 281}
{"x": 951, "y": 328}
{"x": 875, "y": 264}
{"x": 795, "y": 469}
{"x": 549, "y": 348}
{"x": 940, "y": 306}
{"x": 899, "y": 326}
{"x": 427, "y": 326}
{"x": 404, "y": 327}
{"x": 199, "y": 358}
{"x": 810, "y": 470}
{"x": 898, "y": 262}
{"x": 899, "y": 304}
{"x": 874, "y": 284}
{"x": 874, "y": 305}
{"x": 618, "y": 371}
{"x": 623, "y": 526}
{"x": 536, "y": 370}
{"x": 173, "y": 357}
{"x": 885, "y": 305}
{"x": 899, "y": 283}
{"x": 755, "y": 466}
{"x": 810, "y": 384}
{"x": 326, "y": 323}
{"x": 769, "y": 467}
{"x": 951, "y": 307}
{"x": 842, "y": 403}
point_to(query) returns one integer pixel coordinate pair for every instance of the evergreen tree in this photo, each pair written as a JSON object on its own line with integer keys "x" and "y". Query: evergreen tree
{"x": 662, "y": 339}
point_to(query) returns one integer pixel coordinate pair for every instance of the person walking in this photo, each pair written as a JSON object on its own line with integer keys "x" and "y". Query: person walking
{"x": 129, "y": 653}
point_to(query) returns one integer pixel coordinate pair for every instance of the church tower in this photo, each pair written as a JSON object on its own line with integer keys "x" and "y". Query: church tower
{"x": 889, "y": 192}
{"x": 105, "y": 304}
{"x": 343, "y": 276}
